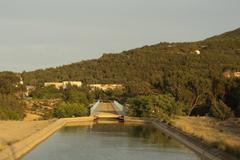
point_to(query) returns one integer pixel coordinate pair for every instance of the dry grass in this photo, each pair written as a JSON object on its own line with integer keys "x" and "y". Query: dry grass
{"x": 37, "y": 109}
{"x": 14, "y": 131}
{"x": 222, "y": 134}
{"x": 31, "y": 117}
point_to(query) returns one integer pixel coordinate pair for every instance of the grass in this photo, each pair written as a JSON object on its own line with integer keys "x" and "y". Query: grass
{"x": 224, "y": 135}
{"x": 14, "y": 131}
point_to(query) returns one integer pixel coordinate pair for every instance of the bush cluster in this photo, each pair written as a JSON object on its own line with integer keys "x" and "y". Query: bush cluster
{"x": 65, "y": 110}
{"x": 161, "y": 106}
{"x": 11, "y": 108}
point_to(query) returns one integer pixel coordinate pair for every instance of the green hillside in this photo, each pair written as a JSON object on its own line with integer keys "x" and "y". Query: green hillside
{"x": 232, "y": 35}
{"x": 174, "y": 68}
{"x": 151, "y": 63}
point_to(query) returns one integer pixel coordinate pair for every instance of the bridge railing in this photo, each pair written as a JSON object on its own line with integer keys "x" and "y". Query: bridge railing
{"x": 93, "y": 108}
{"x": 119, "y": 108}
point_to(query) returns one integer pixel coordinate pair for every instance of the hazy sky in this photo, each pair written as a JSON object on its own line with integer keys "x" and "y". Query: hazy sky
{"x": 42, "y": 33}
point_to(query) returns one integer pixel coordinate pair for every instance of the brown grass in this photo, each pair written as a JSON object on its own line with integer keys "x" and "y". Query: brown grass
{"x": 14, "y": 131}
{"x": 224, "y": 135}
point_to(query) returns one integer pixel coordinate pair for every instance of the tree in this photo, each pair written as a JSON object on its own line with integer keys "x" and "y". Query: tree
{"x": 199, "y": 89}
{"x": 220, "y": 110}
{"x": 11, "y": 108}
{"x": 49, "y": 92}
{"x": 75, "y": 96}
{"x": 161, "y": 106}
{"x": 9, "y": 83}
{"x": 232, "y": 96}
{"x": 65, "y": 110}
{"x": 138, "y": 107}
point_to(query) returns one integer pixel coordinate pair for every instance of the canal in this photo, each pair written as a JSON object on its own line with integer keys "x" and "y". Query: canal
{"x": 109, "y": 140}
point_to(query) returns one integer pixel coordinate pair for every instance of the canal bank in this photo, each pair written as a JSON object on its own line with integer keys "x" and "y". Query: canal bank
{"x": 22, "y": 147}
{"x": 18, "y": 149}
{"x": 202, "y": 149}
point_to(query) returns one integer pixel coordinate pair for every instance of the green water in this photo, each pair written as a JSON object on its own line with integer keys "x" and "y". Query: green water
{"x": 110, "y": 141}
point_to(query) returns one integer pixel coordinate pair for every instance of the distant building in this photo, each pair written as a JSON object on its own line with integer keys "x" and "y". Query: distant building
{"x": 230, "y": 74}
{"x": 227, "y": 74}
{"x": 105, "y": 87}
{"x": 21, "y": 81}
{"x": 236, "y": 74}
{"x": 57, "y": 85}
{"x": 63, "y": 84}
{"x": 72, "y": 83}
{"x": 29, "y": 89}
{"x": 198, "y": 52}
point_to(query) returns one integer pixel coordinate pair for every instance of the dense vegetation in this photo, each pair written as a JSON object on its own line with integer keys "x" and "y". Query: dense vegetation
{"x": 70, "y": 110}
{"x": 195, "y": 81}
{"x": 11, "y": 106}
{"x": 73, "y": 101}
{"x": 172, "y": 71}
{"x": 10, "y": 83}
{"x": 156, "y": 106}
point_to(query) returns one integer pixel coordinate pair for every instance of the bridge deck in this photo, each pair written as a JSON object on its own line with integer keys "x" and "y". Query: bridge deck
{"x": 105, "y": 110}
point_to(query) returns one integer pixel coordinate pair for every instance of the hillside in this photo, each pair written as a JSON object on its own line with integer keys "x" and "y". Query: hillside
{"x": 143, "y": 64}
{"x": 232, "y": 35}
{"x": 173, "y": 68}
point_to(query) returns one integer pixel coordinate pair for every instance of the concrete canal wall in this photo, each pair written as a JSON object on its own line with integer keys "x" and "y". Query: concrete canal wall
{"x": 17, "y": 150}
{"x": 20, "y": 148}
{"x": 204, "y": 151}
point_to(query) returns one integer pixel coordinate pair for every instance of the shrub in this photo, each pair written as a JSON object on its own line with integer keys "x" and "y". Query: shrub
{"x": 76, "y": 96}
{"x": 9, "y": 83}
{"x": 10, "y": 108}
{"x": 138, "y": 106}
{"x": 161, "y": 106}
{"x": 65, "y": 110}
{"x": 220, "y": 110}
{"x": 47, "y": 93}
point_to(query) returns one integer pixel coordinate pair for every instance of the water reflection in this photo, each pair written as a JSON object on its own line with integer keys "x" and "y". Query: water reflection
{"x": 103, "y": 141}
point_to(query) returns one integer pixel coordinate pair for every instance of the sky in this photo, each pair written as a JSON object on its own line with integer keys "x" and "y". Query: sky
{"x": 38, "y": 34}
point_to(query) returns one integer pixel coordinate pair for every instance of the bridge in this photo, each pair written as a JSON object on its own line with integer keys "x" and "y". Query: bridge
{"x": 110, "y": 110}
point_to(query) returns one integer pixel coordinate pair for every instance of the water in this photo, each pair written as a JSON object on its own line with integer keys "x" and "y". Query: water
{"x": 110, "y": 141}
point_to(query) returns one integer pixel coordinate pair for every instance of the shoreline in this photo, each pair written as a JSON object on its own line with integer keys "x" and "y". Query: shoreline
{"x": 21, "y": 148}
{"x": 202, "y": 149}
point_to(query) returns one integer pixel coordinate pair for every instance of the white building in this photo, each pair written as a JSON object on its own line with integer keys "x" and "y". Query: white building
{"x": 105, "y": 87}
{"x": 63, "y": 84}
{"x": 230, "y": 74}
{"x": 57, "y": 85}
{"x": 198, "y": 52}
{"x": 236, "y": 74}
{"x": 72, "y": 83}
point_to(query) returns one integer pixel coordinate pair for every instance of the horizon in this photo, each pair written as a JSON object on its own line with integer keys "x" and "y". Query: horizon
{"x": 39, "y": 35}
{"x": 60, "y": 65}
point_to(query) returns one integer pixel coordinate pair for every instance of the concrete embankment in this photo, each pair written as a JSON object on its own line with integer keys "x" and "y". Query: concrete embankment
{"x": 18, "y": 149}
{"x": 203, "y": 150}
